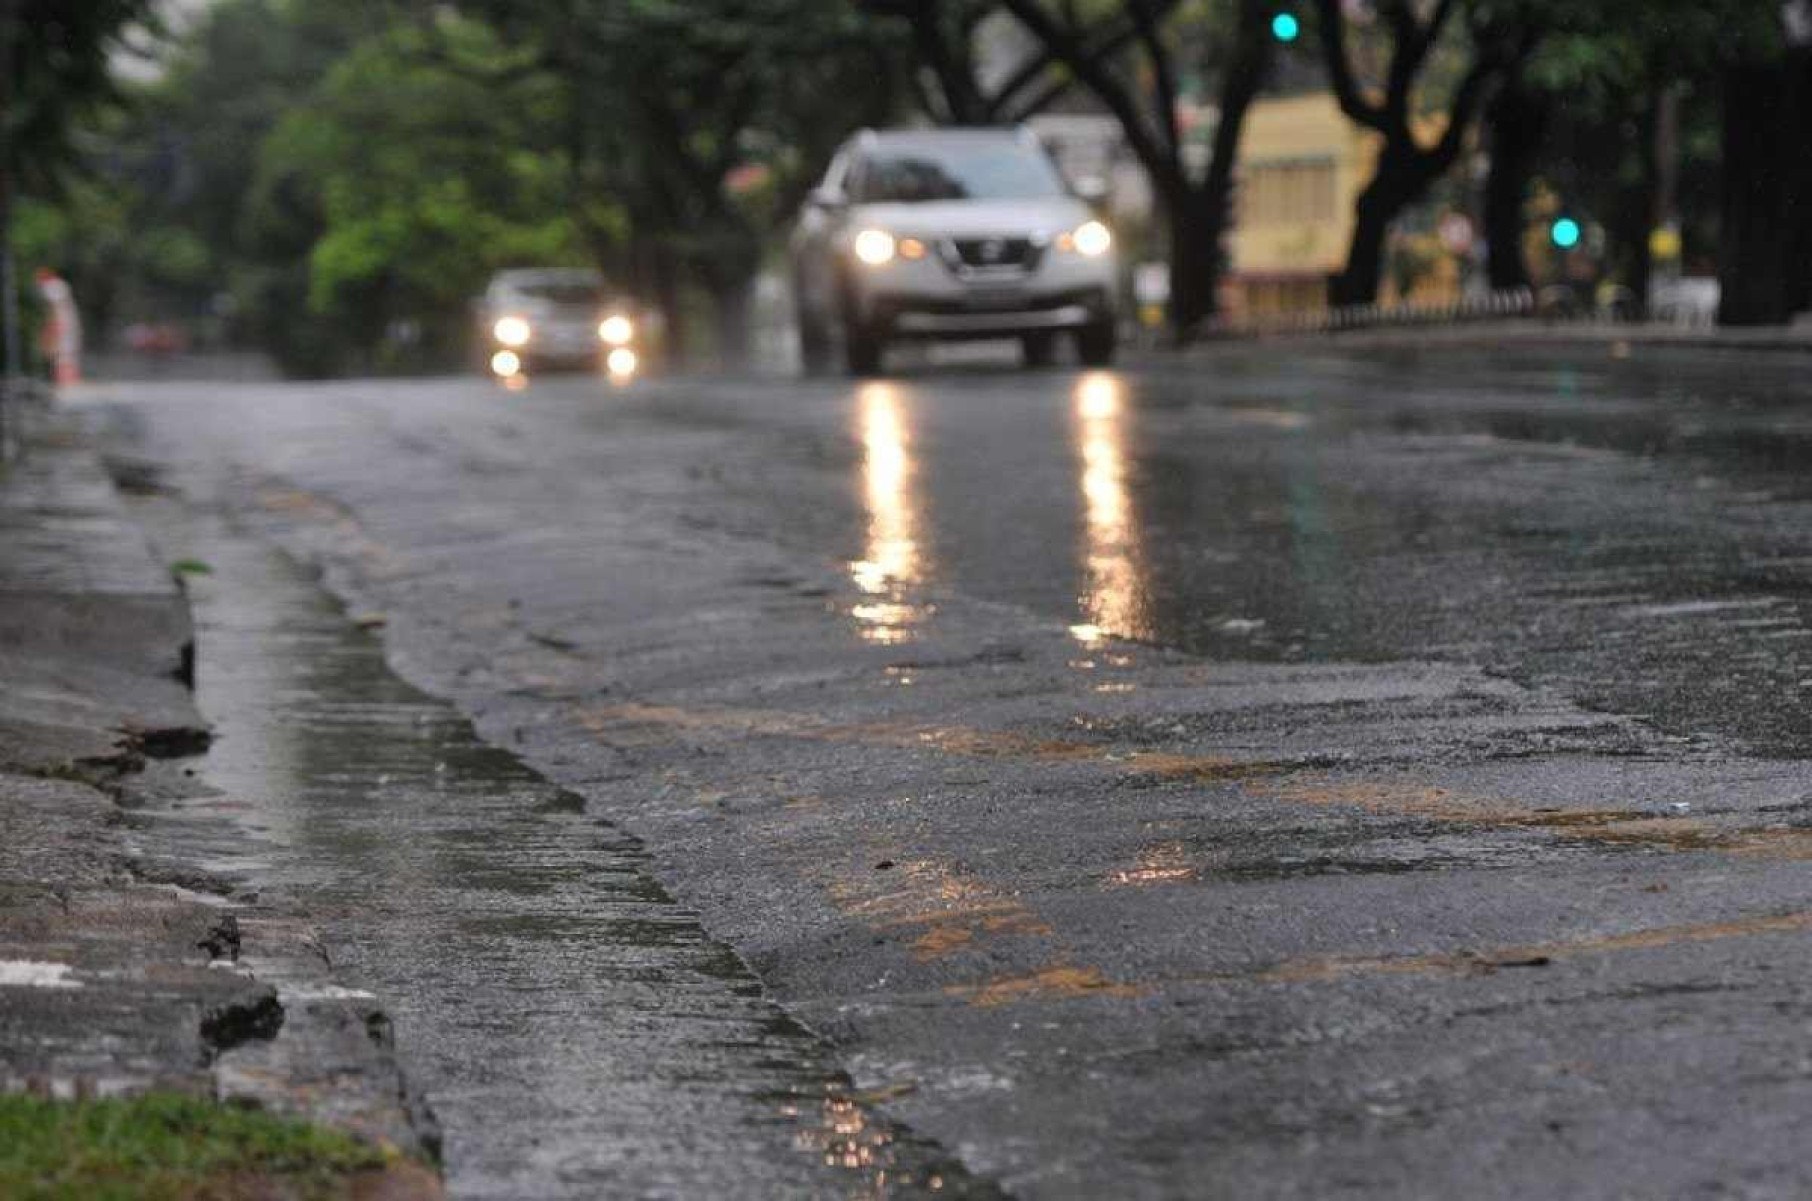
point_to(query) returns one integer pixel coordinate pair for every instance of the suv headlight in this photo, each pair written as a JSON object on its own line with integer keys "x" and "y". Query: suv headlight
{"x": 874, "y": 247}
{"x": 511, "y": 331}
{"x": 1091, "y": 239}
{"x": 616, "y": 330}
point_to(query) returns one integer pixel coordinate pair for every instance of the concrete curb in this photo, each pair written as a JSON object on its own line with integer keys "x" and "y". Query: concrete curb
{"x": 118, "y": 974}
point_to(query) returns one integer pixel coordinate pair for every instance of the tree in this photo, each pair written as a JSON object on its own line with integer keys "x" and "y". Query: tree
{"x": 1617, "y": 101}
{"x": 1765, "y": 251}
{"x": 1515, "y": 122}
{"x": 55, "y": 72}
{"x": 1195, "y": 205}
{"x": 952, "y": 90}
{"x": 1765, "y": 260}
{"x": 1407, "y": 168}
{"x": 704, "y": 120}
{"x": 415, "y": 181}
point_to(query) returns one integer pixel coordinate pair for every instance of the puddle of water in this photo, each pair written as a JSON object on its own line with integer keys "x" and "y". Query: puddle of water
{"x": 576, "y": 1031}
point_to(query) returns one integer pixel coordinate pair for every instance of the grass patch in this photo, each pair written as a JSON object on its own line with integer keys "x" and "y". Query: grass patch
{"x": 168, "y": 1146}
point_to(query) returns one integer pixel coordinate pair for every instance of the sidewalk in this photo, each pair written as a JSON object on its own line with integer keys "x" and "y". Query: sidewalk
{"x": 1531, "y": 332}
{"x": 118, "y": 975}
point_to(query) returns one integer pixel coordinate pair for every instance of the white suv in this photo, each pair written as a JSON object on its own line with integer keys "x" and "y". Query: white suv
{"x": 950, "y": 233}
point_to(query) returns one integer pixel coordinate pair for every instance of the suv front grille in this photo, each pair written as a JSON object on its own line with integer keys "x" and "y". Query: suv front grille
{"x": 993, "y": 254}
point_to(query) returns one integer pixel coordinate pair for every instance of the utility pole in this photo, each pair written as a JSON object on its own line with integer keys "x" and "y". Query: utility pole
{"x": 9, "y": 290}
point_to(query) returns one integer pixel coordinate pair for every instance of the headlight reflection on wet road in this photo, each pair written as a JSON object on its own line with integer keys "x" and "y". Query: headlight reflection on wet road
{"x": 1112, "y": 599}
{"x": 891, "y": 551}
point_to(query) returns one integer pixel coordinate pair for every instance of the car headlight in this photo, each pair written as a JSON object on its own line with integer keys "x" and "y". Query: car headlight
{"x": 616, "y": 330}
{"x": 511, "y": 331}
{"x": 1091, "y": 238}
{"x": 874, "y": 247}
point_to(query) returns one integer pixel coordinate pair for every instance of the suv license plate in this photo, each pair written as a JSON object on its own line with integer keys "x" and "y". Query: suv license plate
{"x": 996, "y": 298}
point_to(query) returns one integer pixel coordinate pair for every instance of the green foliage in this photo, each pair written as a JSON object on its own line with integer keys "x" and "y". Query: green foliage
{"x": 668, "y": 102}
{"x": 164, "y": 1146}
{"x": 1602, "y": 69}
{"x": 57, "y": 58}
{"x": 425, "y": 174}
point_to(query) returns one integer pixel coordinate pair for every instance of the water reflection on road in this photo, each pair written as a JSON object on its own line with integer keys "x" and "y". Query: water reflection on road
{"x": 577, "y": 1032}
{"x": 1113, "y": 597}
{"x": 890, "y": 563}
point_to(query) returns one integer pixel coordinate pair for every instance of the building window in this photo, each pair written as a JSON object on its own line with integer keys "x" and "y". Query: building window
{"x": 1292, "y": 192}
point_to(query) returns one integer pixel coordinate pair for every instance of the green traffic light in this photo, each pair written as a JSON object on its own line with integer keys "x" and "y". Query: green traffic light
{"x": 1285, "y": 27}
{"x": 1565, "y": 233}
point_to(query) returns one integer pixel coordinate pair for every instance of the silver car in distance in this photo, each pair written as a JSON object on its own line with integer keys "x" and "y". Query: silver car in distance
{"x": 950, "y": 233}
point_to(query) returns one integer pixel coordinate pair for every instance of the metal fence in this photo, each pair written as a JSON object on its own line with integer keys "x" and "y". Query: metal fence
{"x": 1495, "y": 306}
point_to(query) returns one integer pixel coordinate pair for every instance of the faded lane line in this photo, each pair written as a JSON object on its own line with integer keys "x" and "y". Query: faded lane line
{"x": 953, "y": 740}
{"x": 1063, "y": 981}
{"x": 1059, "y": 981}
{"x": 924, "y": 893}
{"x": 1609, "y": 826}
{"x": 957, "y": 914}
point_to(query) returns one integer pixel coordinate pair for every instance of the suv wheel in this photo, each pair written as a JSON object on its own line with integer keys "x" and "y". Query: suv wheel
{"x": 1038, "y": 350}
{"x": 1095, "y": 343}
{"x": 862, "y": 349}
{"x": 814, "y": 344}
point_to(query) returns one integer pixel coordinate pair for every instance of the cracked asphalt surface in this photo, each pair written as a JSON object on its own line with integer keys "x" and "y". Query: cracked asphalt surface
{"x": 1276, "y": 774}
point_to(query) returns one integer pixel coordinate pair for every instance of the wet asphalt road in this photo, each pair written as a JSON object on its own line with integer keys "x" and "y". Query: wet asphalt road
{"x": 1280, "y": 774}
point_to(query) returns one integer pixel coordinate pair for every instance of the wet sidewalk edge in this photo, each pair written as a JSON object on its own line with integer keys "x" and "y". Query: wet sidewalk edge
{"x": 1616, "y": 338}
{"x": 122, "y": 973}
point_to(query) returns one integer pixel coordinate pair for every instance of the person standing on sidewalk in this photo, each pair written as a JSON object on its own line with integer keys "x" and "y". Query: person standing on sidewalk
{"x": 61, "y": 337}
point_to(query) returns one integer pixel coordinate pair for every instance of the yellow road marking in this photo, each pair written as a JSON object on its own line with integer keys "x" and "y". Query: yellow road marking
{"x": 1336, "y": 966}
{"x": 1403, "y": 797}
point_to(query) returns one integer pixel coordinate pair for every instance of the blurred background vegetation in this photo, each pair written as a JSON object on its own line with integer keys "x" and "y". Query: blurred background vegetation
{"x": 330, "y": 182}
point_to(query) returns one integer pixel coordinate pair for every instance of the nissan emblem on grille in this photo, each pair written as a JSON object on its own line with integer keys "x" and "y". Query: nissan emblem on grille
{"x": 991, "y": 251}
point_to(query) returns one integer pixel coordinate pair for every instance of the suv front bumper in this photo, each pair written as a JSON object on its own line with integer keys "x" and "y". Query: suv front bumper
{"x": 988, "y": 314}
{"x": 927, "y": 298}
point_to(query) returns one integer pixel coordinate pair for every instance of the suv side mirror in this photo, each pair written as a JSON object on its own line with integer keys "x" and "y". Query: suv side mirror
{"x": 825, "y": 198}
{"x": 1092, "y": 189}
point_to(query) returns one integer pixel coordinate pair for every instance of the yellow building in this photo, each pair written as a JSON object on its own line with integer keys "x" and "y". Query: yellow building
{"x": 1302, "y": 164}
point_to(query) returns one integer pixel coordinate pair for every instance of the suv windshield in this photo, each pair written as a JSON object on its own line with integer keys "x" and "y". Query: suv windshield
{"x": 983, "y": 170}
{"x": 564, "y": 292}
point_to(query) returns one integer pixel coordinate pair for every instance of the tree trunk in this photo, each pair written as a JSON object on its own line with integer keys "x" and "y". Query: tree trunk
{"x": 1392, "y": 189}
{"x": 1200, "y": 215}
{"x": 10, "y": 334}
{"x": 1767, "y": 195}
{"x": 1517, "y": 121}
{"x": 1195, "y": 261}
{"x": 665, "y": 287}
{"x": 730, "y": 306}
{"x": 1798, "y": 164}
{"x": 948, "y": 62}
{"x": 11, "y": 341}
{"x": 1645, "y": 204}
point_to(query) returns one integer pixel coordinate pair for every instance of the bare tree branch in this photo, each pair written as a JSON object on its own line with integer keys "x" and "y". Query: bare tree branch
{"x": 1467, "y": 99}
{"x": 1066, "y": 43}
{"x": 1164, "y": 84}
{"x": 1340, "y": 69}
